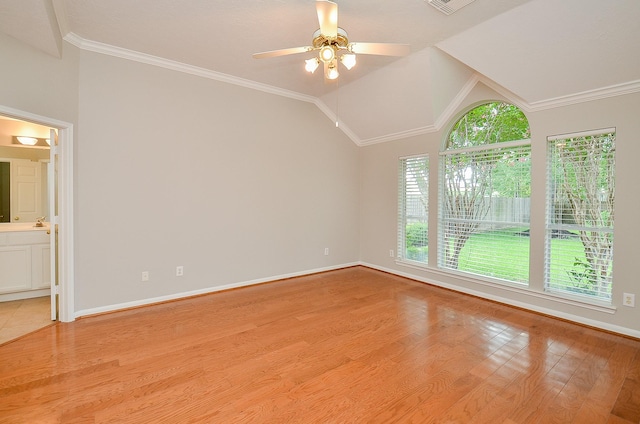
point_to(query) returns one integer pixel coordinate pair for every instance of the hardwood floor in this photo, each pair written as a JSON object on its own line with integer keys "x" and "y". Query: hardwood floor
{"x": 348, "y": 346}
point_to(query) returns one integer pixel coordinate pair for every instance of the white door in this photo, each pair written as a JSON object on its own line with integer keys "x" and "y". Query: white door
{"x": 52, "y": 182}
{"x": 26, "y": 198}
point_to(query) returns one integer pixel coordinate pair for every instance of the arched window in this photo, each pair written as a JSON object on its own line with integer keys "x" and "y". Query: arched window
{"x": 484, "y": 194}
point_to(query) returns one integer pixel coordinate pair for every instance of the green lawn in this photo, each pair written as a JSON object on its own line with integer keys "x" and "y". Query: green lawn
{"x": 484, "y": 252}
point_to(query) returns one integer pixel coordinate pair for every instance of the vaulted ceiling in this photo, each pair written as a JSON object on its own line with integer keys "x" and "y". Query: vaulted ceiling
{"x": 538, "y": 53}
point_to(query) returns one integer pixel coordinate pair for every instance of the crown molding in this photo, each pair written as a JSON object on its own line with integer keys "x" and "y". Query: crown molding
{"x": 132, "y": 55}
{"x": 440, "y": 122}
{"x": 587, "y": 96}
{"x": 452, "y": 108}
{"x": 398, "y": 136}
{"x": 334, "y": 118}
{"x": 568, "y": 100}
{"x": 135, "y": 56}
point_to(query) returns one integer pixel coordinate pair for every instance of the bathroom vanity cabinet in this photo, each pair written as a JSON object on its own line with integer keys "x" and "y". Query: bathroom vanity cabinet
{"x": 25, "y": 260}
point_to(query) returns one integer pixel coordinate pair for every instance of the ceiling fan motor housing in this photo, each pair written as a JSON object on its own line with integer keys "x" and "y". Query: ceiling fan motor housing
{"x": 341, "y": 41}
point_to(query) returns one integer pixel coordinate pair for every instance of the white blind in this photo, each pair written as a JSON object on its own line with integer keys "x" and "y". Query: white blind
{"x": 485, "y": 211}
{"x": 580, "y": 214}
{"x": 413, "y": 210}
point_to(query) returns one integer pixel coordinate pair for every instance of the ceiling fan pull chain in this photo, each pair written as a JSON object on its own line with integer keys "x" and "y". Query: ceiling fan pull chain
{"x": 337, "y": 100}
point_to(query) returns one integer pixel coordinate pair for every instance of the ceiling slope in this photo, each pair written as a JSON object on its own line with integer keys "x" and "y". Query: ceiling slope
{"x": 538, "y": 53}
{"x": 32, "y": 22}
{"x": 547, "y": 50}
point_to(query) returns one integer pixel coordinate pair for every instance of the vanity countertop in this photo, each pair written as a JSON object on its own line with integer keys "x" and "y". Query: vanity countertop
{"x": 22, "y": 226}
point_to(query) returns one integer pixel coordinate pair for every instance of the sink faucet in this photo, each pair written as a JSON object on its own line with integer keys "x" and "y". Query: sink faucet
{"x": 39, "y": 221}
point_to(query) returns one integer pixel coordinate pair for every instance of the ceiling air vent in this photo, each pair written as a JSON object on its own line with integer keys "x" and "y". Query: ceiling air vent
{"x": 449, "y": 6}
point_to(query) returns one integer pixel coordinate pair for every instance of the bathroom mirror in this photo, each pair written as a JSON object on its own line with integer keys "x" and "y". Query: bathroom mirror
{"x": 5, "y": 193}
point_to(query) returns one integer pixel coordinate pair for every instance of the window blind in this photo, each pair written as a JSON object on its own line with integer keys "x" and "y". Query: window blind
{"x": 413, "y": 213}
{"x": 484, "y": 201}
{"x": 580, "y": 214}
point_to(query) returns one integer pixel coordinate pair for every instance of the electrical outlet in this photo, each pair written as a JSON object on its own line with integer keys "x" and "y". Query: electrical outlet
{"x": 145, "y": 276}
{"x": 179, "y": 271}
{"x": 326, "y": 251}
{"x": 629, "y": 299}
{"x": 391, "y": 253}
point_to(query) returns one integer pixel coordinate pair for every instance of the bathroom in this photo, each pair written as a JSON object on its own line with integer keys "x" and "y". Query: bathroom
{"x": 25, "y": 233}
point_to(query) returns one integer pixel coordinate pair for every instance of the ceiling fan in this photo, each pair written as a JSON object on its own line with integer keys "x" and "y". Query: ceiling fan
{"x": 332, "y": 44}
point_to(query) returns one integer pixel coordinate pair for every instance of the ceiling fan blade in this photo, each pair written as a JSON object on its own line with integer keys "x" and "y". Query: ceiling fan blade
{"x": 383, "y": 49}
{"x": 282, "y": 52}
{"x": 327, "y": 18}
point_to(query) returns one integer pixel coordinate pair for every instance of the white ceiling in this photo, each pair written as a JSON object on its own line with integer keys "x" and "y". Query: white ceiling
{"x": 539, "y": 53}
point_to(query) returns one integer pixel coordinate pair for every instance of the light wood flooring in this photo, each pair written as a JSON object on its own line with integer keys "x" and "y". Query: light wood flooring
{"x": 348, "y": 346}
{"x": 20, "y": 317}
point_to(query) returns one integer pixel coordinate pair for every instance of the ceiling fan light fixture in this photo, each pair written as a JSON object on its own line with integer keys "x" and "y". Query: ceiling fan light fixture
{"x": 327, "y": 54}
{"x": 311, "y": 64}
{"x": 332, "y": 71}
{"x": 348, "y": 60}
{"x": 331, "y": 43}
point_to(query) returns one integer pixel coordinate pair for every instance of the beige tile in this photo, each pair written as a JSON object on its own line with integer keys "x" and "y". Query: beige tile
{"x": 20, "y": 317}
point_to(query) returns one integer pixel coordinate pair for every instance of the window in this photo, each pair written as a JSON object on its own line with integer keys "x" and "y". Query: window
{"x": 580, "y": 212}
{"x": 484, "y": 194}
{"x": 413, "y": 192}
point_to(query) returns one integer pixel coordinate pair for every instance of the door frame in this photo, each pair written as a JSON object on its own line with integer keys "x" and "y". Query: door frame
{"x": 65, "y": 207}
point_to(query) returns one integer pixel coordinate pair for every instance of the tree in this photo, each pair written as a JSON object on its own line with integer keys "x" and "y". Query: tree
{"x": 489, "y": 123}
{"x": 585, "y": 185}
{"x": 469, "y": 176}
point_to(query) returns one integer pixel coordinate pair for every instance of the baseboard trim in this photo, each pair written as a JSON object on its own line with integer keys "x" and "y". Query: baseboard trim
{"x": 600, "y": 325}
{"x": 183, "y": 295}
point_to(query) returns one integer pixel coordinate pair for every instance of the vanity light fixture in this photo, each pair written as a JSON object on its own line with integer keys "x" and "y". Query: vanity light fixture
{"x": 28, "y": 141}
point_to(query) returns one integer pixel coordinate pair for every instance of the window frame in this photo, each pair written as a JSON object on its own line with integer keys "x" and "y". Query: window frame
{"x": 522, "y": 146}
{"x": 401, "y": 255}
{"x": 551, "y": 227}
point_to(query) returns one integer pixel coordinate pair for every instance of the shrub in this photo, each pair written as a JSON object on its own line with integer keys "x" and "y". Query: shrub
{"x": 416, "y": 234}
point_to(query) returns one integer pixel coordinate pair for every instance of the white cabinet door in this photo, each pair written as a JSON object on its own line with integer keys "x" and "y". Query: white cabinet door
{"x": 40, "y": 266}
{"x": 26, "y": 186}
{"x": 15, "y": 263}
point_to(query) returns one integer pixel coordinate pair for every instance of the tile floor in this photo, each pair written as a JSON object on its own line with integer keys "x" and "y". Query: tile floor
{"x": 20, "y": 317}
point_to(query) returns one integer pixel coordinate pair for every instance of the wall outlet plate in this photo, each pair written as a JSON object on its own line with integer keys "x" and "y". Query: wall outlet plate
{"x": 145, "y": 276}
{"x": 629, "y": 299}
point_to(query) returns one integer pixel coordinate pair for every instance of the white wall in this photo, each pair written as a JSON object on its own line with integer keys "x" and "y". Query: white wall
{"x": 233, "y": 184}
{"x": 379, "y": 203}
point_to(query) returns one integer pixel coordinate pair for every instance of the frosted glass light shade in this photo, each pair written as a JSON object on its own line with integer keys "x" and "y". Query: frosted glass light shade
{"x": 28, "y": 141}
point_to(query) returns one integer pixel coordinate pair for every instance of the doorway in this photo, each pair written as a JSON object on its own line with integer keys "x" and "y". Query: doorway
{"x": 60, "y": 210}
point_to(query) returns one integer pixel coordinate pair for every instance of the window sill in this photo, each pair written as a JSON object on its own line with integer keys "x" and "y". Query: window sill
{"x": 521, "y": 288}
